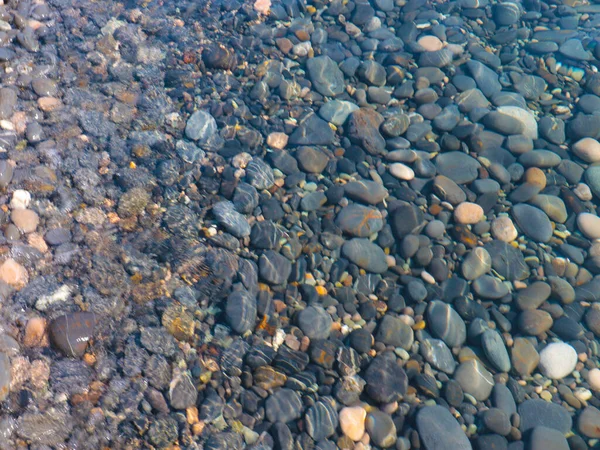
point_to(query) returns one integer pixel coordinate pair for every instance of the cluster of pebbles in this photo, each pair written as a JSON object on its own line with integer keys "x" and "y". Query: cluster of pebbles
{"x": 300, "y": 225}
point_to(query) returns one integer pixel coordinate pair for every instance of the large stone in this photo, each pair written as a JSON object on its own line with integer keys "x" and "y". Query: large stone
{"x": 537, "y": 412}
{"x": 533, "y": 222}
{"x": 201, "y": 127}
{"x": 366, "y": 255}
{"x": 459, "y": 167}
{"x": 445, "y": 323}
{"x": 526, "y": 117}
{"x": 558, "y": 360}
{"x": 312, "y": 130}
{"x": 360, "y": 221}
{"x": 475, "y": 379}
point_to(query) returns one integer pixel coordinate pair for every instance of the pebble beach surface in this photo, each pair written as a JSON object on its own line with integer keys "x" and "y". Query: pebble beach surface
{"x": 299, "y": 224}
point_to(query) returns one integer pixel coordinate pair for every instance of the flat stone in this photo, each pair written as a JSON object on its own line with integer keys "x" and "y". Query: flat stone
{"x": 72, "y": 332}
{"x": 503, "y": 399}
{"x": 363, "y": 129}
{"x": 439, "y": 430}
{"x": 311, "y": 159}
{"x": 534, "y": 323}
{"x": 589, "y": 225}
{"x": 274, "y": 267}
{"x": 496, "y": 421}
{"x": 557, "y": 360}
{"x": 540, "y": 158}
{"x": 201, "y": 127}
{"x": 352, "y": 421}
{"x": 284, "y": 405}
{"x": 475, "y": 379}
{"x": 406, "y": 219}
{"x": 381, "y": 428}
{"x": 337, "y": 111}
{"x": 5, "y": 376}
{"x": 401, "y": 171}
{"x": 445, "y": 323}
{"x": 495, "y": 350}
{"x": 315, "y": 322}
{"x": 366, "y": 191}
{"x": 573, "y": 49}
{"x": 533, "y": 296}
{"x": 489, "y": 287}
{"x": 240, "y": 311}
{"x": 530, "y": 126}
{"x": 478, "y": 262}
{"x": 503, "y": 229}
{"x": 592, "y": 178}
{"x": 544, "y": 438}
{"x": 459, "y": 167}
{"x": 507, "y": 260}
{"x": 552, "y": 205}
{"x": 587, "y": 149}
{"x": 533, "y": 222}
{"x": 486, "y": 78}
{"x": 359, "y": 221}
{"x": 448, "y": 190}
{"x": 537, "y": 412}
{"x": 259, "y": 174}
{"x": 386, "y": 380}
{"x": 234, "y": 222}
{"x": 393, "y": 331}
{"x": 326, "y": 76}
{"x": 588, "y": 423}
{"x": 365, "y": 255}
{"x": 468, "y": 213}
{"x": 312, "y": 130}
{"x": 437, "y": 353}
{"x": 321, "y": 419}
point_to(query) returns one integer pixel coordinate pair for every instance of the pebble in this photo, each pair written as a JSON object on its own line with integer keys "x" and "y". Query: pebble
{"x": 588, "y": 423}
{"x": 507, "y": 260}
{"x": 326, "y": 76}
{"x": 381, "y": 428}
{"x": 401, "y": 171}
{"x": 536, "y": 412}
{"x": 533, "y": 296}
{"x": 386, "y": 380}
{"x": 534, "y": 323}
{"x": 438, "y": 430}
{"x": 530, "y": 126}
{"x": 230, "y": 219}
{"x": 533, "y": 222}
{"x": 557, "y": 360}
{"x": 365, "y": 255}
{"x": 437, "y": 353}
{"x": 71, "y": 333}
{"x": 459, "y": 167}
{"x": 201, "y": 127}
{"x": 274, "y": 268}
{"x": 495, "y": 350}
{"x": 503, "y": 229}
{"x": 311, "y": 159}
{"x": 477, "y": 263}
{"x": 474, "y": 379}
{"x": 315, "y": 322}
{"x": 25, "y": 220}
{"x": 468, "y": 213}
{"x": 544, "y": 438}
{"x": 359, "y": 221}
{"x": 445, "y": 323}
{"x": 321, "y": 419}
{"x": 363, "y": 128}
{"x": 5, "y": 376}
{"x": 352, "y": 422}
{"x": 312, "y": 130}
{"x": 587, "y": 149}
{"x": 589, "y": 225}
{"x": 497, "y": 421}
{"x": 393, "y": 331}
{"x": 259, "y": 174}
{"x": 283, "y": 405}
{"x": 240, "y": 311}
{"x": 13, "y": 273}
{"x": 593, "y": 378}
{"x": 337, "y": 111}
{"x": 366, "y": 191}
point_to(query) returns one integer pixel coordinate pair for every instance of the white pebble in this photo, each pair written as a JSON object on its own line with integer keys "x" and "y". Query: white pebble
{"x": 20, "y": 199}
{"x": 557, "y": 360}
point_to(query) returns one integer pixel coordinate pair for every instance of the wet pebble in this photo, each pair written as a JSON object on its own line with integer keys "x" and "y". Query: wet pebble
{"x": 366, "y": 255}
{"x": 315, "y": 322}
{"x": 433, "y": 422}
{"x": 557, "y": 360}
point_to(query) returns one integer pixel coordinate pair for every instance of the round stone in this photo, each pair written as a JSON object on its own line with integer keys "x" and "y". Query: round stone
{"x": 507, "y": 260}
{"x": 533, "y": 296}
{"x": 366, "y": 191}
{"x": 503, "y": 229}
{"x": 477, "y": 263}
{"x": 315, "y": 322}
{"x": 530, "y": 126}
{"x": 439, "y": 430}
{"x": 312, "y": 159}
{"x": 468, "y": 213}
{"x": 352, "y": 422}
{"x": 592, "y": 178}
{"x": 589, "y": 225}
{"x": 448, "y": 190}
{"x": 497, "y": 421}
{"x": 437, "y": 353}
{"x": 359, "y": 221}
{"x": 393, "y": 331}
{"x": 587, "y": 149}
{"x": 557, "y": 360}
{"x": 274, "y": 267}
{"x": 401, "y": 171}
